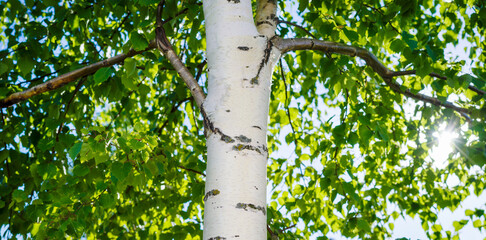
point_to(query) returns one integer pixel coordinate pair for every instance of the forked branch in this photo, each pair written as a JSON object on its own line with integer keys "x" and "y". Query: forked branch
{"x": 286, "y": 45}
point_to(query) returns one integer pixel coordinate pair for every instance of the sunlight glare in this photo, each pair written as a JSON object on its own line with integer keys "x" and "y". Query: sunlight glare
{"x": 440, "y": 152}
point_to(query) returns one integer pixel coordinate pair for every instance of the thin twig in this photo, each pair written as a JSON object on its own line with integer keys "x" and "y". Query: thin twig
{"x": 200, "y": 67}
{"x": 76, "y": 90}
{"x": 192, "y": 170}
{"x": 174, "y": 107}
{"x": 297, "y": 26}
{"x": 287, "y": 103}
{"x": 121, "y": 24}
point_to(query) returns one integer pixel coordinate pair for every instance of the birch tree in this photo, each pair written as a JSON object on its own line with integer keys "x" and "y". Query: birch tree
{"x": 168, "y": 119}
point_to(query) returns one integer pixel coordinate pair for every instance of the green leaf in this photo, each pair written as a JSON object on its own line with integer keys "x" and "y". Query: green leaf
{"x": 80, "y": 170}
{"x": 74, "y": 150}
{"x": 409, "y": 39}
{"x": 19, "y": 195}
{"x": 107, "y": 201}
{"x": 458, "y": 225}
{"x": 25, "y": 64}
{"x": 351, "y": 35}
{"x": 35, "y": 228}
{"x": 136, "y": 144}
{"x": 120, "y": 170}
{"x": 364, "y": 133}
{"x": 353, "y": 138}
{"x": 436, "y": 228}
{"x": 130, "y": 66}
{"x": 477, "y": 223}
{"x": 382, "y": 132}
{"x": 3, "y": 155}
{"x": 129, "y": 82}
{"x": 339, "y": 20}
{"x": 151, "y": 70}
{"x": 363, "y": 225}
{"x": 3, "y": 68}
{"x": 138, "y": 41}
{"x": 433, "y": 53}
{"x": 102, "y": 74}
{"x": 147, "y": 2}
{"x": 397, "y": 45}
{"x": 101, "y": 157}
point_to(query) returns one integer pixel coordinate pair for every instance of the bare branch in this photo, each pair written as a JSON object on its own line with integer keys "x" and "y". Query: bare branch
{"x": 62, "y": 80}
{"x": 286, "y": 45}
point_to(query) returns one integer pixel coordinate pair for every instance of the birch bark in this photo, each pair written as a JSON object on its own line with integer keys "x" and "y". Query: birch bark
{"x": 240, "y": 63}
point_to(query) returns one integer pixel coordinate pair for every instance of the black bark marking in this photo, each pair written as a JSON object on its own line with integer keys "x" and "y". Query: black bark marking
{"x": 246, "y": 206}
{"x": 264, "y": 22}
{"x": 224, "y": 137}
{"x": 228, "y": 110}
{"x": 209, "y": 127}
{"x": 234, "y": 1}
{"x": 243, "y": 48}
{"x": 211, "y": 193}
{"x": 217, "y": 238}
{"x": 243, "y": 138}
{"x": 240, "y": 147}
{"x": 257, "y": 127}
{"x": 266, "y": 57}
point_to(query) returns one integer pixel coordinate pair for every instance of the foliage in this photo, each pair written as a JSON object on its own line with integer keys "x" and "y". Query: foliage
{"x": 121, "y": 152}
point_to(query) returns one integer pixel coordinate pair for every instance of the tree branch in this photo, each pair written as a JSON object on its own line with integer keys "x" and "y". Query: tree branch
{"x": 62, "y": 80}
{"x": 166, "y": 49}
{"x": 286, "y": 45}
{"x": 191, "y": 170}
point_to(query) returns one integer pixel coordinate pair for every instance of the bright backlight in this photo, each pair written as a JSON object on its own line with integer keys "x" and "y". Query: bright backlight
{"x": 445, "y": 145}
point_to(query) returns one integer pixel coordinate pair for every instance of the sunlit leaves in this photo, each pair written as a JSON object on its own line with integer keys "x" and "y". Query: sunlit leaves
{"x": 356, "y": 149}
{"x": 75, "y": 149}
{"x": 138, "y": 40}
{"x": 102, "y": 74}
{"x": 25, "y": 64}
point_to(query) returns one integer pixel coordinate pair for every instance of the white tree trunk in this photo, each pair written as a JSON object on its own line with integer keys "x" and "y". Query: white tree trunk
{"x": 240, "y": 64}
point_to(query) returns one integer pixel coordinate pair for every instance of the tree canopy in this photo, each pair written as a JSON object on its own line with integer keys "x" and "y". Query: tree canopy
{"x": 114, "y": 144}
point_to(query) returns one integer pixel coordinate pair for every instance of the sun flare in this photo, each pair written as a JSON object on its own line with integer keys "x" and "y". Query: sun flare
{"x": 441, "y": 151}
